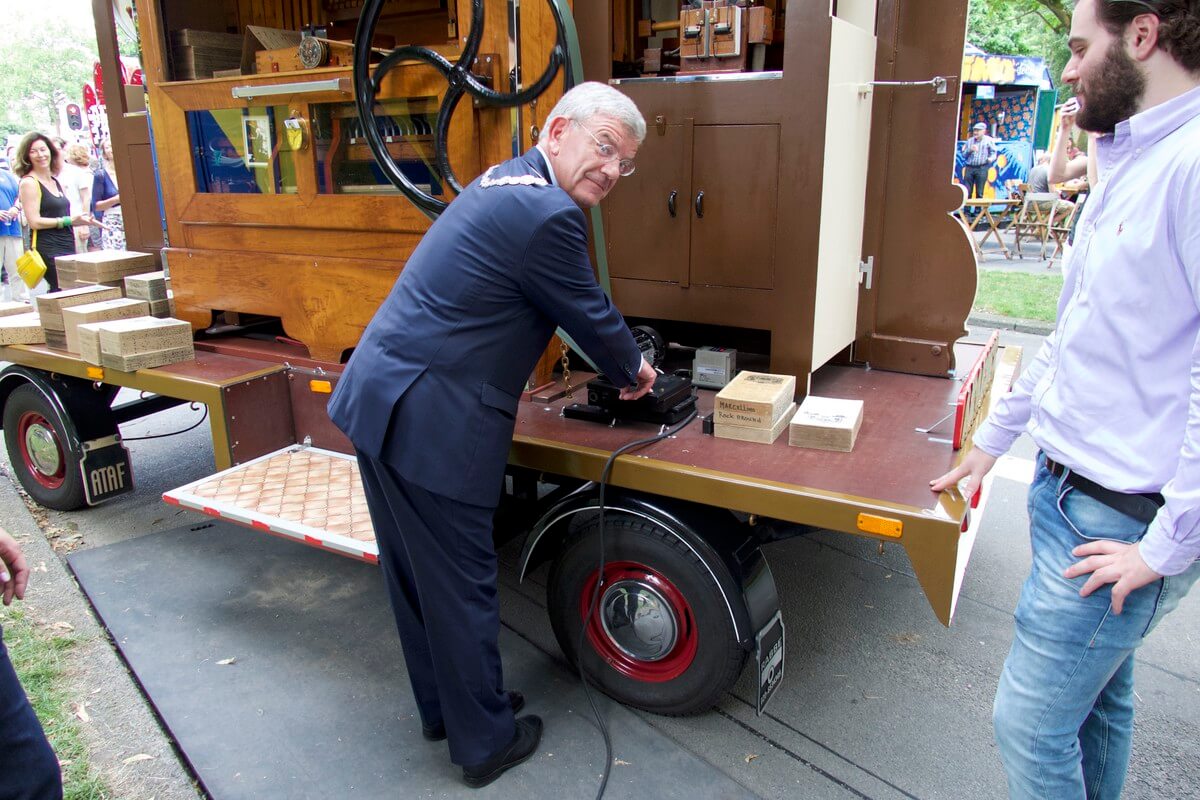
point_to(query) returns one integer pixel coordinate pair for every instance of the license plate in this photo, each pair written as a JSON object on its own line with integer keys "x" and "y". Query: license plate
{"x": 106, "y": 472}
{"x": 769, "y": 658}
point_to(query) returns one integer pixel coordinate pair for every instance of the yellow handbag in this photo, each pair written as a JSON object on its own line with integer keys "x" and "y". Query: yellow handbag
{"x": 30, "y": 265}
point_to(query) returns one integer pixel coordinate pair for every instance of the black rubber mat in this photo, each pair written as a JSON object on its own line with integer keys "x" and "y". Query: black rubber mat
{"x": 277, "y": 669}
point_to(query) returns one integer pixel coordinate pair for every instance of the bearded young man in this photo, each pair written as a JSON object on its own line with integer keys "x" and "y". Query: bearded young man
{"x": 1113, "y": 402}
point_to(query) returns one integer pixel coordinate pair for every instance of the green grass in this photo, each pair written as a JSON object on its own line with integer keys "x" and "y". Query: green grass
{"x": 1018, "y": 294}
{"x": 39, "y": 658}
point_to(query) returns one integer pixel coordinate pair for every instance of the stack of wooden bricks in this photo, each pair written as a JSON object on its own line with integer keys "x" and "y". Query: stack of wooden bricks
{"x": 154, "y": 288}
{"x": 50, "y": 309}
{"x": 136, "y": 343}
{"x": 120, "y": 308}
{"x": 107, "y": 267}
{"x": 754, "y": 407}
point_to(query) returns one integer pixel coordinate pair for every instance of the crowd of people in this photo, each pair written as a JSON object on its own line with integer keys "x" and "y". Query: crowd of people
{"x": 58, "y": 198}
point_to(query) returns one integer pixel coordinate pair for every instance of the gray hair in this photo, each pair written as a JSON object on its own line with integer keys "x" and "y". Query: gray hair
{"x": 591, "y": 98}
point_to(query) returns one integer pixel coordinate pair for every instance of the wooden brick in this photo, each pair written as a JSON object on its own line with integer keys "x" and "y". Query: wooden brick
{"x": 50, "y": 306}
{"x": 89, "y": 342}
{"x": 147, "y": 286}
{"x": 56, "y": 339}
{"x": 122, "y": 308}
{"x": 754, "y": 399}
{"x": 126, "y": 337}
{"x": 22, "y": 329}
{"x": 15, "y": 307}
{"x": 154, "y": 358}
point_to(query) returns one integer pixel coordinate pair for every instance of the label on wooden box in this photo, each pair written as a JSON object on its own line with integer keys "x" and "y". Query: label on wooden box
{"x": 22, "y": 329}
{"x": 125, "y": 337}
{"x": 121, "y": 308}
{"x": 50, "y": 306}
{"x": 754, "y": 399}
{"x": 746, "y": 433}
{"x": 826, "y": 423}
{"x": 154, "y": 358}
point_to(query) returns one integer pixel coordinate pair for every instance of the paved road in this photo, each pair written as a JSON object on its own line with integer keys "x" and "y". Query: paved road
{"x": 880, "y": 701}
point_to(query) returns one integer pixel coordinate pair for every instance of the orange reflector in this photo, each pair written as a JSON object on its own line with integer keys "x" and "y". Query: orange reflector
{"x": 884, "y": 526}
{"x": 95, "y": 373}
{"x": 321, "y": 387}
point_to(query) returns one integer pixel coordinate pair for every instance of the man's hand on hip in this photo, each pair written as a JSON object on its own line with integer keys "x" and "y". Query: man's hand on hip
{"x": 1111, "y": 562}
{"x": 973, "y": 468}
{"x": 645, "y": 382}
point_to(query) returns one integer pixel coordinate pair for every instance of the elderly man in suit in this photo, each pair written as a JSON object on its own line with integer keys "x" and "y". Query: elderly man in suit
{"x": 430, "y": 395}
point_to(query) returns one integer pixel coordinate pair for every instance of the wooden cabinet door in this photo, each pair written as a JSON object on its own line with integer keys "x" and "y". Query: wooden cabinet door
{"x": 645, "y": 239}
{"x": 733, "y": 205}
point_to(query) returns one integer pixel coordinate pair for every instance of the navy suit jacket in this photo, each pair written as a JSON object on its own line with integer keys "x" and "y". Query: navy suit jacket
{"x": 433, "y": 386}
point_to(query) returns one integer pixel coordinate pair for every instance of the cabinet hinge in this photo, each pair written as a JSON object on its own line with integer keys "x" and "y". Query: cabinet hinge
{"x": 866, "y": 270}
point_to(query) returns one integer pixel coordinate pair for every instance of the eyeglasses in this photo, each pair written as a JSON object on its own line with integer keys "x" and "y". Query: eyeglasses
{"x": 609, "y": 153}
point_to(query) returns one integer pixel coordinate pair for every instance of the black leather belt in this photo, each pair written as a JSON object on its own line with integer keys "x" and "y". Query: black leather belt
{"x": 1142, "y": 507}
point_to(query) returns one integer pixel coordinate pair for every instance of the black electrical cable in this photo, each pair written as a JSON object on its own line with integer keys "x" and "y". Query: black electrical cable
{"x": 203, "y": 417}
{"x": 608, "y": 465}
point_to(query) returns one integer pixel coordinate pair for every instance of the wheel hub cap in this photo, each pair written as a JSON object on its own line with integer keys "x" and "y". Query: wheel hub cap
{"x": 42, "y": 449}
{"x": 638, "y": 620}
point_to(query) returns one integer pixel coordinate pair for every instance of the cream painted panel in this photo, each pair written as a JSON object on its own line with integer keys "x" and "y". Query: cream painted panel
{"x": 843, "y": 196}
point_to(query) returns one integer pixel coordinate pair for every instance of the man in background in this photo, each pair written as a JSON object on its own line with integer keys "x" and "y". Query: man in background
{"x": 980, "y": 153}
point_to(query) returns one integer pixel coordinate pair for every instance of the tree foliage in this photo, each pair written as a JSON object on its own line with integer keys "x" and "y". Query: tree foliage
{"x": 43, "y": 56}
{"x": 1023, "y": 28}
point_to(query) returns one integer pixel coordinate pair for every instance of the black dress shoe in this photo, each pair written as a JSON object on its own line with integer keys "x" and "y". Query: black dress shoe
{"x": 524, "y": 743}
{"x": 437, "y": 731}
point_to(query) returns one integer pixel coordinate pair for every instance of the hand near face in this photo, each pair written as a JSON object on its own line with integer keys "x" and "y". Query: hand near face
{"x": 1070, "y": 111}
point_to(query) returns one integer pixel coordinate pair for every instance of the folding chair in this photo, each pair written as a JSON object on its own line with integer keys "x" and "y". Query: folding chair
{"x": 1033, "y": 220}
{"x": 1060, "y": 229}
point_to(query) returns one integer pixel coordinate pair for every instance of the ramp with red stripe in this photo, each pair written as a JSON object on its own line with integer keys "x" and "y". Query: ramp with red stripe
{"x": 311, "y": 495}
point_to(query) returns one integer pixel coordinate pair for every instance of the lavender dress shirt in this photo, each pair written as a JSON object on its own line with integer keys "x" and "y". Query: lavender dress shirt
{"x": 1114, "y": 392}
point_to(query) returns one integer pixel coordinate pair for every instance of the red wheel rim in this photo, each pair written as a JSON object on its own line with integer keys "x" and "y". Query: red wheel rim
{"x": 621, "y": 576}
{"x": 54, "y": 480}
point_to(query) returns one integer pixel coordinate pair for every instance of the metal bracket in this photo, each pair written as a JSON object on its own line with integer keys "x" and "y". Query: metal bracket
{"x": 939, "y": 83}
{"x": 866, "y": 271}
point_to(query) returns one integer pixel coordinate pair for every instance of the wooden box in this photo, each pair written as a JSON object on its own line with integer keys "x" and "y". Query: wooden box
{"x": 50, "y": 306}
{"x": 22, "y": 329}
{"x": 284, "y": 59}
{"x": 126, "y": 337}
{"x": 147, "y": 286}
{"x": 754, "y": 399}
{"x": 826, "y": 423}
{"x": 760, "y": 25}
{"x": 122, "y": 308}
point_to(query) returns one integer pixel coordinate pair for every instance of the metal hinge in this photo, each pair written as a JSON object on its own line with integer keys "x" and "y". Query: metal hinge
{"x": 866, "y": 270}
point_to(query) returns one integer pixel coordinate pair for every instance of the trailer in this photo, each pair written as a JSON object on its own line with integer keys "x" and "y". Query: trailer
{"x": 787, "y": 202}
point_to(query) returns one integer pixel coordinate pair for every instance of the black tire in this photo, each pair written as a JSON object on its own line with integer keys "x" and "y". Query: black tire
{"x": 60, "y": 488}
{"x": 673, "y": 683}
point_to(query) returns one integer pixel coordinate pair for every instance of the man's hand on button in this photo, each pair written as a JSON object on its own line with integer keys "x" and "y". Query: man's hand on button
{"x": 645, "y": 382}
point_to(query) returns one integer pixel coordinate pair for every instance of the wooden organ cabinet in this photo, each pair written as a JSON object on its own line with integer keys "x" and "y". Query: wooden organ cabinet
{"x": 773, "y": 168}
{"x": 274, "y": 205}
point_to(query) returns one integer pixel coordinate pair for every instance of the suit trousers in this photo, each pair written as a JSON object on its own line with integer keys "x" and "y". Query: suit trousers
{"x": 439, "y": 566}
{"x": 28, "y": 768}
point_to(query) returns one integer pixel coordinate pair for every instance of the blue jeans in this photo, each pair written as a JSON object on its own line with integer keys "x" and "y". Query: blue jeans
{"x": 1064, "y": 708}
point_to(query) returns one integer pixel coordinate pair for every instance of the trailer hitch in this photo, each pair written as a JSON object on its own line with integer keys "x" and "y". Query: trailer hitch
{"x": 461, "y": 80}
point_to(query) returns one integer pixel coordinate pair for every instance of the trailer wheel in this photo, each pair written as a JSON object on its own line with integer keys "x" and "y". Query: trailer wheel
{"x": 661, "y": 637}
{"x": 45, "y": 465}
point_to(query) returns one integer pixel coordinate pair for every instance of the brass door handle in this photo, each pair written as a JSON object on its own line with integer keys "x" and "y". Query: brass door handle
{"x": 671, "y": 202}
{"x": 700, "y": 205}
